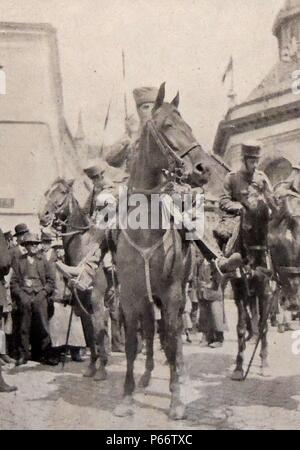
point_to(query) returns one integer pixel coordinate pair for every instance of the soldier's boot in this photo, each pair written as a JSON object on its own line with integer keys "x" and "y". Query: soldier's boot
{"x": 212, "y": 254}
{"x": 5, "y": 387}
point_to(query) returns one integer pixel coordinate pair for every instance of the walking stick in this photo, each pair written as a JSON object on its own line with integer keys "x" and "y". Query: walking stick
{"x": 67, "y": 338}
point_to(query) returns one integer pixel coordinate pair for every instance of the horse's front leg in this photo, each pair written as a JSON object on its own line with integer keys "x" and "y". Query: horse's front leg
{"x": 131, "y": 325}
{"x": 263, "y": 310}
{"x": 173, "y": 350}
{"x": 148, "y": 331}
{"x": 238, "y": 374}
{"x": 100, "y": 325}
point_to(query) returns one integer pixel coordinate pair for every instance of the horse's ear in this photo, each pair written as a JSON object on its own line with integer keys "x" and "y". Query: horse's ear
{"x": 160, "y": 96}
{"x": 70, "y": 182}
{"x": 57, "y": 180}
{"x": 175, "y": 101}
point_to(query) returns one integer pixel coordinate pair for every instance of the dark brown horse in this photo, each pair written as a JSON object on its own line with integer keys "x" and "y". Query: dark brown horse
{"x": 284, "y": 241}
{"x": 61, "y": 209}
{"x": 165, "y": 145}
{"x": 252, "y": 292}
{"x": 5, "y": 263}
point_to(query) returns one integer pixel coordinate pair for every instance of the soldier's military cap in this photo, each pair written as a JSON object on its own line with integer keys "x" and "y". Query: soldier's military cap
{"x": 144, "y": 95}
{"x": 251, "y": 149}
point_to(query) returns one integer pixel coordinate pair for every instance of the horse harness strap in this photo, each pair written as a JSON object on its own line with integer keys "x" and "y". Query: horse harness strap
{"x": 261, "y": 248}
{"x": 146, "y": 254}
{"x": 290, "y": 270}
{"x": 166, "y": 148}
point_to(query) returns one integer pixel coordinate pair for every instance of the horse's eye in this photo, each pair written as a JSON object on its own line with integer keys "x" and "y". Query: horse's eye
{"x": 168, "y": 125}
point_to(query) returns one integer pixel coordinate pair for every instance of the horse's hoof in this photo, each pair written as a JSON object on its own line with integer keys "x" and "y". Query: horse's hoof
{"x": 265, "y": 372}
{"x": 101, "y": 374}
{"x": 177, "y": 412}
{"x": 90, "y": 372}
{"x": 145, "y": 380}
{"x": 125, "y": 409}
{"x": 238, "y": 375}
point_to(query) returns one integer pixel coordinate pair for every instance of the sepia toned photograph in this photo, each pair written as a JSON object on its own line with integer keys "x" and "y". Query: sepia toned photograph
{"x": 150, "y": 217}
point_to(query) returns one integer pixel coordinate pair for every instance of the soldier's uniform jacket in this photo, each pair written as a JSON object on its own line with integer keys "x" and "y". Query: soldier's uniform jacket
{"x": 236, "y": 188}
{"x": 122, "y": 156}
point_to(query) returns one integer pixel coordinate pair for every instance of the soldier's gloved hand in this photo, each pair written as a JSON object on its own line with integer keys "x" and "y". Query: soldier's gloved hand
{"x": 244, "y": 204}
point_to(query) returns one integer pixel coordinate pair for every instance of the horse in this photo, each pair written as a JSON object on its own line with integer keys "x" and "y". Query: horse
{"x": 61, "y": 209}
{"x": 284, "y": 242}
{"x": 253, "y": 289}
{"x": 5, "y": 264}
{"x": 166, "y": 146}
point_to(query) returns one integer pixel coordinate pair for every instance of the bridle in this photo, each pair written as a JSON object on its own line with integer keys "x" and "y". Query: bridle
{"x": 294, "y": 195}
{"x": 56, "y": 221}
{"x": 175, "y": 159}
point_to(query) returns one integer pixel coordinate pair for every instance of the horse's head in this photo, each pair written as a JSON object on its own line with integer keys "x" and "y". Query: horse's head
{"x": 255, "y": 219}
{"x": 178, "y": 146}
{"x": 56, "y": 202}
{"x": 291, "y": 203}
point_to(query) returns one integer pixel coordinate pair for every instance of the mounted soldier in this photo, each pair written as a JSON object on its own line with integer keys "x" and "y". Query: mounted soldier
{"x": 247, "y": 203}
{"x": 236, "y": 190}
{"x": 122, "y": 152}
{"x": 284, "y": 246}
{"x": 123, "y": 156}
{"x": 292, "y": 183}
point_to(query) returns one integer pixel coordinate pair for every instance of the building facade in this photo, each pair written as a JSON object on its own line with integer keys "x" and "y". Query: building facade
{"x": 35, "y": 144}
{"x": 271, "y": 113}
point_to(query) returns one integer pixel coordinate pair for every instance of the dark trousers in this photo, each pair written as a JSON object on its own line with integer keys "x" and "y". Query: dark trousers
{"x": 34, "y": 328}
{"x": 112, "y": 303}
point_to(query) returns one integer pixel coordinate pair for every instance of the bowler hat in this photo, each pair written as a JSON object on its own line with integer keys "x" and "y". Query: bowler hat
{"x": 251, "y": 149}
{"x": 46, "y": 237}
{"x": 30, "y": 238}
{"x": 20, "y": 229}
{"x": 93, "y": 171}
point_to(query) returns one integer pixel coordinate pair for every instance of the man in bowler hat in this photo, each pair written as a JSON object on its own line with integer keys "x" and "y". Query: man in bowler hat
{"x": 32, "y": 283}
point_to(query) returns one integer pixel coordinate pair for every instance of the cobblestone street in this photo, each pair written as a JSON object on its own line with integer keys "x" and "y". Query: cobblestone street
{"x": 52, "y": 399}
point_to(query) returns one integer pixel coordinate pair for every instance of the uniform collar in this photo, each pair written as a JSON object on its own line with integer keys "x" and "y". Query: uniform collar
{"x": 247, "y": 175}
